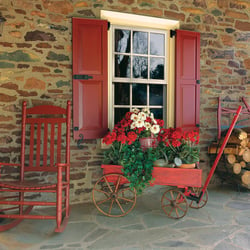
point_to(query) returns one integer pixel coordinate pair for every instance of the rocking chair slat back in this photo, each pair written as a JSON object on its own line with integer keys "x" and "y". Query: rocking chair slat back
{"x": 42, "y": 144}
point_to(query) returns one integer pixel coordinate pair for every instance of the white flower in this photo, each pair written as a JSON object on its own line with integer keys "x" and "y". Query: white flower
{"x": 133, "y": 125}
{"x": 142, "y": 116}
{"x": 147, "y": 125}
{"x": 146, "y": 110}
{"x": 154, "y": 121}
{"x": 134, "y": 117}
{"x": 139, "y": 124}
{"x": 135, "y": 110}
{"x": 155, "y": 129}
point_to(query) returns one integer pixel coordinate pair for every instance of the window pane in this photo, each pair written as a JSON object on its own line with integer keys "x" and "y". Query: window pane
{"x": 158, "y": 113}
{"x": 157, "y": 68}
{"x": 157, "y": 44}
{"x": 120, "y": 113}
{"x": 156, "y": 95}
{"x": 122, "y": 66}
{"x": 139, "y": 94}
{"x": 140, "y": 42}
{"x": 122, "y": 96}
{"x": 140, "y": 67}
{"x": 122, "y": 41}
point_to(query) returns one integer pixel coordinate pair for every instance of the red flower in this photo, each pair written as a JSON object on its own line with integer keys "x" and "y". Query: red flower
{"x": 108, "y": 139}
{"x": 132, "y": 136}
{"x": 160, "y": 122}
{"x": 177, "y": 134}
{"x": 122, "y": 138}
{"x": 176, "y": 143}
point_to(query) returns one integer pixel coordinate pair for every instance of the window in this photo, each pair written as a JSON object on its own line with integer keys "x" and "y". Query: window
{"x": 139, "y": 71}
{"x": 141, "y": 65}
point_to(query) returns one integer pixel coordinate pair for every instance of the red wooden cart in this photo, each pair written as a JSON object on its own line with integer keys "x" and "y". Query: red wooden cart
{"x": 113, "y": 196}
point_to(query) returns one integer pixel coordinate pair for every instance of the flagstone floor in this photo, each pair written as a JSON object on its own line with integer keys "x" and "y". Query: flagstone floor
{"x": 223, "y": 224}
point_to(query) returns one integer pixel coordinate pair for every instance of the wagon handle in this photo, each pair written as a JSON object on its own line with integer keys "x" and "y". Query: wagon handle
{"x": 220, "y": 152}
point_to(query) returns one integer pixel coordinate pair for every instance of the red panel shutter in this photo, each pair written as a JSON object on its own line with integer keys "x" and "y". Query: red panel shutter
{"x": 90, "y": 86}
{"x": 187, "y": 100}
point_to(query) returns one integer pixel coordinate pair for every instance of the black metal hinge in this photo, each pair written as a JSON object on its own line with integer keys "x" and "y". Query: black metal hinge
{"x": 80, "y": 140}
{"x": 82, "y": 77}
{"x": 172, "y": 33}
{"x": 198, "y": 82}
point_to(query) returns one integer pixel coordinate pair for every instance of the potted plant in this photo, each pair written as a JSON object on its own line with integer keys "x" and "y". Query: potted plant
{"x": 128, "y": 148}
{"x": 181, "y": 147}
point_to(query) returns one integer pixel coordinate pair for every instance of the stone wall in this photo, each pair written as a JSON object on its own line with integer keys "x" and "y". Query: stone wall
{"x": 36, "y": 61}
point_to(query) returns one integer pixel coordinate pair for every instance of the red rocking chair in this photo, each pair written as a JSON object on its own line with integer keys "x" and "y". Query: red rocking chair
{"x": 45, "y": 149}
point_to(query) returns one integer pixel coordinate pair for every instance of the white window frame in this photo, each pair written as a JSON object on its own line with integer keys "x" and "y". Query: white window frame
{"x": 123, "y": 19}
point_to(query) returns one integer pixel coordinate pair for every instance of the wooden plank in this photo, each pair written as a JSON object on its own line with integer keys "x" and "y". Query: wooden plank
{"x": 229, "y": 149}
{"x": 177, "y": 177}
{"x": 166, "y": 176}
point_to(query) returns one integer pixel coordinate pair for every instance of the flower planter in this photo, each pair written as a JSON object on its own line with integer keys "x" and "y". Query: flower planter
{"x": 148, "y": 142}
{"x": 191, "y": 165}
{"x": 166, "y": 176}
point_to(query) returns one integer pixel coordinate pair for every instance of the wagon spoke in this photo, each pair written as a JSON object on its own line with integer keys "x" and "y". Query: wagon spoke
{"x": 111, "y": 190}
{"x": 166, "y": 198}
{"x": 101, "y": 191}
{"x": 111, "y": 205}
{"x": 179, "y": 207}
{"x": 102, "y": 201}
{"x": 125, "y": 189}
{"x": 176, "y": 211}
{"x": 125, "y": 199}
{"x": 172, "y": 195}
{"x": 171, "y": 210}
{"x": 117, "y": 184}
{"x": 119, "y": 204}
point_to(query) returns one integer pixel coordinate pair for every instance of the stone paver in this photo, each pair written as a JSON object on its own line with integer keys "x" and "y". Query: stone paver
{"x": 223, "y": 224}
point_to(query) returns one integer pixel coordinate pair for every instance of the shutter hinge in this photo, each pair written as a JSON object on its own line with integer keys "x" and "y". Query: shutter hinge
{"x": 197, "y": 125}
{"x": 198, "y": 82}
{"x": 82, "y": 77}
{"x": 109, "y": 25}
{"x": 79, "y": 141}
{"x": 172, "y": 33}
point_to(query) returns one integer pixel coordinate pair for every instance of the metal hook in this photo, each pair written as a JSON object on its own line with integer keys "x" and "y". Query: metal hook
{"x": 79, "y": 141}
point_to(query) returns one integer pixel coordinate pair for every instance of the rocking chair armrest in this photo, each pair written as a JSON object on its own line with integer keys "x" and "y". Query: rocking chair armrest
{"x": 10, "y": 164}
{"x": 62, "y": 165}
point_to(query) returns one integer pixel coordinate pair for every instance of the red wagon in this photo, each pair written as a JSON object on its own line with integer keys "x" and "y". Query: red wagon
{"x": 113, "y": 196}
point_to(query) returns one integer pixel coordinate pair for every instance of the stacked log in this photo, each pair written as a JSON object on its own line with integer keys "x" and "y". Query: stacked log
{"x": 236, "y": 160}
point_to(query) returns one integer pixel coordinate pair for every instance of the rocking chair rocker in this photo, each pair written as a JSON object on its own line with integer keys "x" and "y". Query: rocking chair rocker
{"x": 44, "y": 168}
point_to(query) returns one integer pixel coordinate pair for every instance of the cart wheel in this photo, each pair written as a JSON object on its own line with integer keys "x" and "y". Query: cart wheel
{"x": 203, "y": 201}
{"x": 113, "y": 196}
{"x": 174, "y": 204}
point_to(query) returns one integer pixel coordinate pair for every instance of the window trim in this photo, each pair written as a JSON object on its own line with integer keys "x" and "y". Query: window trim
{"x": 124, "y": 19}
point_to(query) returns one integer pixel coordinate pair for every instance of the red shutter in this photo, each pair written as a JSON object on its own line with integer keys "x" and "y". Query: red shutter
{"x": 90, "y": 89}
{"x": 187, "y": 102}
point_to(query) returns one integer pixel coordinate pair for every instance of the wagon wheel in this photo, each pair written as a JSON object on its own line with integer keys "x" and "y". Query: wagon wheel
{"x": 174, "y": 204}
{"x": 113, "y": 196}
{"x": 203, "y": 201}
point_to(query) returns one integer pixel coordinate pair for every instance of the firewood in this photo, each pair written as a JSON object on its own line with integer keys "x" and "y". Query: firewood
{"x": 243, "y": 164}
{"x": 236, "y": 168}
{"x": 246, "y": 178}
{"x": 231, "y": 158}
{"x": 244, "y": 143}
{"x": 246, "y": 155}
{"x": 241, "y": 151}
{"x": 240, "y": 133}
{"x": 229, "y": 149}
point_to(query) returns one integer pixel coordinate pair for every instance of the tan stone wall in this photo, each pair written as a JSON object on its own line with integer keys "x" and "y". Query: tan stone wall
{"x": 36, "y": 60}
